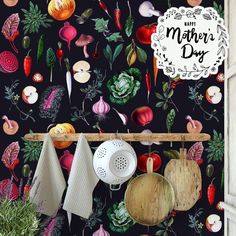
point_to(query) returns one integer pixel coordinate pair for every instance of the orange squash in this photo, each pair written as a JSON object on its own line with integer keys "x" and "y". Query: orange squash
{"x": 61, "y": 9}
{"x": 64, "y": 128}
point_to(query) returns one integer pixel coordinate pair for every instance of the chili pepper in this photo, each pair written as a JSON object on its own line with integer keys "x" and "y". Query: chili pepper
{"x": 148, "y": 84}
{"x": 60, "y": 53}
{"x": 104, "y": 7}
{"x": 211, "y": 191}
{"x": 27, "y": 64}
{"x": 117, "y": 15}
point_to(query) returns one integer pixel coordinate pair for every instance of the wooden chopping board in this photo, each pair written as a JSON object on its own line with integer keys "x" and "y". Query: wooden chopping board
{"x": 186, "y": 179}
{"x": 149, "y": 199}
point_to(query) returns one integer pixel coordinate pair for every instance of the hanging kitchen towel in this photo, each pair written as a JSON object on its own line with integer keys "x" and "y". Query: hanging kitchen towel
{"x": 81, "y": 182}
{"x": 49, "y": 183}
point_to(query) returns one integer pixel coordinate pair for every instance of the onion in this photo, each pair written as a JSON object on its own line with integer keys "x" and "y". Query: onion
{"x": 142, "y": 115}
{"x": 8, "y": 62}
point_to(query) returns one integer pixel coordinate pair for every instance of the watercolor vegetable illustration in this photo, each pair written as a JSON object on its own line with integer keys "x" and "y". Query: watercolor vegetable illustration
{"x": 215, "y": 148}
{"x": 119, "y": 218}
{"x": 124, "y": 86}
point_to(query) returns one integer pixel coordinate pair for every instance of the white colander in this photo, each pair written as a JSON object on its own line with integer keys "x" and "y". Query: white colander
{"x": 114, "y": 162}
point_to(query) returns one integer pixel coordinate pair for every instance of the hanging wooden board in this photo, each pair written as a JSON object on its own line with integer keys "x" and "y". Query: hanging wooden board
{"x": 149, "y": 198}
{"x": 186, "y": 179}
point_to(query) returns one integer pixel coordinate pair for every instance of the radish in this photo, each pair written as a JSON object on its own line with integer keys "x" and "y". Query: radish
{"x": 68, "y": 77}
{"x": 67, "y": 33}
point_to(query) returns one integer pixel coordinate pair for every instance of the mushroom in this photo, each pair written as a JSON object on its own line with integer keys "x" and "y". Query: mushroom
{"x": 83, "y": 41}
{"x": 10, "y": 127}
{"x": 146, "y": 9}
{"x": 193, "y": 126}
{"x": 81, "y": 71}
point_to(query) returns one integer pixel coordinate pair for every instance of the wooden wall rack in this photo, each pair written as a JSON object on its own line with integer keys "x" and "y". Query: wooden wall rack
{"x": 130, "y": 137}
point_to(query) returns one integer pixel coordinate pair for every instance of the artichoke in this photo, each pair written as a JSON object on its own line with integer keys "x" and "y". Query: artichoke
{"x": 124, "y": 86}
{"x": 120, "y": 220}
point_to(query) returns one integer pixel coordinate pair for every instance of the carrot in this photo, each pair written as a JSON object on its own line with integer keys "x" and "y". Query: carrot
{"x": 155, "y": 70}
{"x": 27, "y": 64}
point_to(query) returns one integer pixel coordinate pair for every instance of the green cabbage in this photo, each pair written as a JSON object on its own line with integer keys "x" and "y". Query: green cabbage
{"x": 124, "y": 86}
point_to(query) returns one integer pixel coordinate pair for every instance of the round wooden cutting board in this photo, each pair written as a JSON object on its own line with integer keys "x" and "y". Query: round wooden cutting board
{"x": 186, "y": 179}
{"x": 149, "y": 199}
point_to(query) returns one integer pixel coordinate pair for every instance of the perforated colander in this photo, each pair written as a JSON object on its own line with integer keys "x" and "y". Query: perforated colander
{"x": 114, "y": 162}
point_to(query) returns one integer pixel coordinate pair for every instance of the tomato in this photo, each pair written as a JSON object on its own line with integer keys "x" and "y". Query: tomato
{"x": 142, "y": 161}
{"x": 144, "y": 33}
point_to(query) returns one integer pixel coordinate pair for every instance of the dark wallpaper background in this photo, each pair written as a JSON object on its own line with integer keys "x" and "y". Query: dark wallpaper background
{"x": 112, "y": 123}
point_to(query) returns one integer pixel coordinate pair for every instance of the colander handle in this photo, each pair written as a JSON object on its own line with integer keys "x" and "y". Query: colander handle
{"x": 115, "y": 189}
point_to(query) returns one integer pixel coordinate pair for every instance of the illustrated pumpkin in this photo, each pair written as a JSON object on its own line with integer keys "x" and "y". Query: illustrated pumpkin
{"x": 64, "y": 128}
{"x": 61, "y": 9}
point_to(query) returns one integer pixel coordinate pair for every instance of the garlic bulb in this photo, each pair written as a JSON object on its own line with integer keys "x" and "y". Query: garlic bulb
{"x": 101, "y": 232}
{"x": 101, "y": 107}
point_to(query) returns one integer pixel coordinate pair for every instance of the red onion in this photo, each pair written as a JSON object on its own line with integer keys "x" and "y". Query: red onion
{"x": 142, "y": 115}
{"x": 8, "y": 62}
{"x": 101, "y": 107}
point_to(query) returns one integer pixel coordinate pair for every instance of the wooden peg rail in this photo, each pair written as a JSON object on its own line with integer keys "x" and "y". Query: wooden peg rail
{"x": 131, "y": 137}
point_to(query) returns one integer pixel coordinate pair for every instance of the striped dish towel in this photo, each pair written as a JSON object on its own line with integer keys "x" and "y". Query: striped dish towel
{"x": 81, "y": 182}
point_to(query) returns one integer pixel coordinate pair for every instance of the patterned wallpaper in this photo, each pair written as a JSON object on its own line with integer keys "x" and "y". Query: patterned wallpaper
{"x": 92, "y": 68}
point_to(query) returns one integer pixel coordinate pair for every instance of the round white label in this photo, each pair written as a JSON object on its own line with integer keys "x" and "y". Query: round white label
{"x": 190, "y": 42}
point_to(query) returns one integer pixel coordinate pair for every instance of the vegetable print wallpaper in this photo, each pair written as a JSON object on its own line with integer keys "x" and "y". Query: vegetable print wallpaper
{"x": 70, "y": 66}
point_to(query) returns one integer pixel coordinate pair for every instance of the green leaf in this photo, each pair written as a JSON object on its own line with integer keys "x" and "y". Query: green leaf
{"x": 129, "y": 25}
{"x": 170, "y": 119}
{"x": 165, "y": 106}
{"x": 171, "y": 221}
{"x": 115, "y": 37}
{"x": 101, "y": 25}
{"x": 117, "y": 51}
{"x": 108, "y": 53}
{"x": 128, "y": 48}
{"x": 171, "y": 93}
{"x": 165, "y": 87}
{"x": 50, "y": 57}
{"x": 165, "y": 233}
{"x": 141, "y": 55}
{"x": 160, "y": 232}
{"x": 160, "y": 104}
{"x": 159, "y": 96}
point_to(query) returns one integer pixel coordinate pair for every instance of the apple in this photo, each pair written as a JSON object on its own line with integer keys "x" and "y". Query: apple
{"x": 213, "y": 95}
{"x": 194, "y": 3}
{"x": 37, "y": 78}
{"x": 30, "y": 95}
{"x": 213, "y": 223}
{"x": 220, "y": 78}
{"x": 144, "y": 33}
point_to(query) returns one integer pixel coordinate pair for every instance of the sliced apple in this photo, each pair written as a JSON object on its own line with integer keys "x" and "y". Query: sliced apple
{"x": 82, "y": 77}
{"x": 30, "y": 95}
{"x": 213, "y": 223}
{"x": 213, "y": 95}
